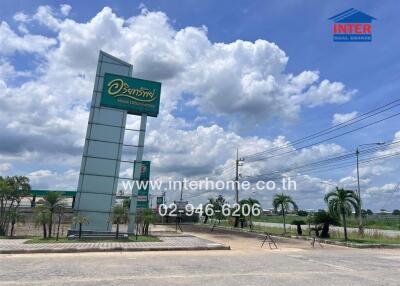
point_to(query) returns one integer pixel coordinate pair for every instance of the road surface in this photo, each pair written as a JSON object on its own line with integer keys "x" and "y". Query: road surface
{"x": 294, "y": 263}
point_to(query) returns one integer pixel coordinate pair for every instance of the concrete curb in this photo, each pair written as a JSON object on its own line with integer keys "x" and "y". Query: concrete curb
{"x": 353, "y": 244}
{"x": 73, "y": 248}
{"x": 114, "y": 249}
{"x": 332, "y": 242}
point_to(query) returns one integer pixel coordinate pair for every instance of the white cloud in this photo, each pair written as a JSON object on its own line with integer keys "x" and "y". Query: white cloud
{"x": 5, "y": 167}
{"x": 22, "y": 28}
{"x": 21, "y": 17}
{"x": 351, "y": 182}
{"x": 327, "y": 92}
{"x": 372, "y": 170}
{"x": 10, "y": 42}
{"x": 343, "y": 117}
{"x": 386, "y": 188}
{"x": 47, "y": 179}
{"x": 7, "y": 71}
{"x": 45, "y": 16}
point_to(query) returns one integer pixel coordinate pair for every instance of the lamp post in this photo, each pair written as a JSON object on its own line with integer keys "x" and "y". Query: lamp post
{"x": 360, "y": 222}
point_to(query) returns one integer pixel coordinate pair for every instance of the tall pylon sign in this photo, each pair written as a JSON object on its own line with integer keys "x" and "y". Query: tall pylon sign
{"x": 115, "y": 95}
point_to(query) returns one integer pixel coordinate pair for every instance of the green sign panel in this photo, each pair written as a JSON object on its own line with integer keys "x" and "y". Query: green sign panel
{"x": 143, "y": 193}
{"x": 142, "y": 205}
{"x": 145, "y": 172}
{"x": 137, "y": 96}
{"x": 160, "y": 200}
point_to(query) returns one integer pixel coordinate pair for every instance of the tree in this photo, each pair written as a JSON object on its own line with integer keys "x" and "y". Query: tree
{"x": 283, "y": 203}
{"x": 126, "y": 203}
{"x": 81, "y": 220}
{"x": 14, "y": 217}
{"x": 119, "y": 216}
{"x": 42, "y": 218}
{"x": 146, "y": 217}
{"x": 52, "y": 201}
{"x": 341, "y": 203}
{"x": 12, "y": 190}
{"x": 325, "y": 219}
{"x": 298, "y": 223}
{"x": 218, "y": 204}
{"x": 396, "y": 212}
{"x": 210, "y": 204}
{"x": 302, "y": 213}
{"x": 251, "y": 204}
{"x": 60, "y": 213}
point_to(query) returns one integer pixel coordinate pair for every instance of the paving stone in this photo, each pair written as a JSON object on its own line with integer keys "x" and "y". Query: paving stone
{"x": 182, "y": 242}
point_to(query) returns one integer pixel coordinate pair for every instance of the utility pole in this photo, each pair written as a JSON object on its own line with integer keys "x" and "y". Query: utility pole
{"x": 181, "y": 191}
{"x": 238, "y": 164}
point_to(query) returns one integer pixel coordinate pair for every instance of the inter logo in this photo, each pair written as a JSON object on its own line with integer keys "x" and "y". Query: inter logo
{"x": 352, "y": 26}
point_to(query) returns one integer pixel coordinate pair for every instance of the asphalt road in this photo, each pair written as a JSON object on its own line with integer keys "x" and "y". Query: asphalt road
{"x": 294, "y": 263}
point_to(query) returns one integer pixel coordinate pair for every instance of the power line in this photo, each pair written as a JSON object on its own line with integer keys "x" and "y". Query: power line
{"x": 328, "y": 130}
{"x": 345, "y": 156}
{"x": 329, "y": 167}
{"x": 364, "y": 162}
{"x": 324, "y": 140}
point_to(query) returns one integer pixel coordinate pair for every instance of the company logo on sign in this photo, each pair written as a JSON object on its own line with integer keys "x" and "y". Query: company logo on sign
{"x": 118, "y": 87}
{"x": 352, "y": 26}
{"x": 136, "y": 96}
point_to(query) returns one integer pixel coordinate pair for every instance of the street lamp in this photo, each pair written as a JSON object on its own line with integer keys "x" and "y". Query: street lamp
{"x": 360, "y": 222}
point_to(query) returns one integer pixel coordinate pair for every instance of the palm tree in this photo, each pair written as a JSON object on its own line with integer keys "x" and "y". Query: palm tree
{"x": 42, "y": 217}
{"x": 52, "y": 201}
{"x": 325, "y": 219}
{"x": 119, "y": 215}
{"x": 81, "y": 220}
{"x": 283, "y": 203}
{"x": 60, "y": 212}
{"x": 341, "y": 203}
{"x": 298, "y": 223}
{"x": 146, "y": 217}
{"x": 250, "y": 203}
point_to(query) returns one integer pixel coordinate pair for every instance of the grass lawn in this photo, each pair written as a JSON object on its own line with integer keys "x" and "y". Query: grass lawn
{"x": 15, "y": 237}
{"x": 141, "y": 238}
{"x": 368, "y": 241}
{"x": 382, "y": 222}
{"x": 375, "y": 238}
{"x": 260, "y": 229}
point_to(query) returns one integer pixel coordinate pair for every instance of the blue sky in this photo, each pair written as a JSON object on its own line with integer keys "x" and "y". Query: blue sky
{"x": 300, "y": 29}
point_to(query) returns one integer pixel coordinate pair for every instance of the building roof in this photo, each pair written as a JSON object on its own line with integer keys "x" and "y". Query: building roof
{"x": 352, "y": 16}
{"x": 41, "y": 193}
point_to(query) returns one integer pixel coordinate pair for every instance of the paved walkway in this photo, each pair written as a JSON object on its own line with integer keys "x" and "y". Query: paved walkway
{"x": 176, "y": 242}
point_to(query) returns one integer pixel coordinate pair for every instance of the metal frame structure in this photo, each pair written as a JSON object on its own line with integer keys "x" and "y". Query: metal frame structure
{"x": 99, "y": 173}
